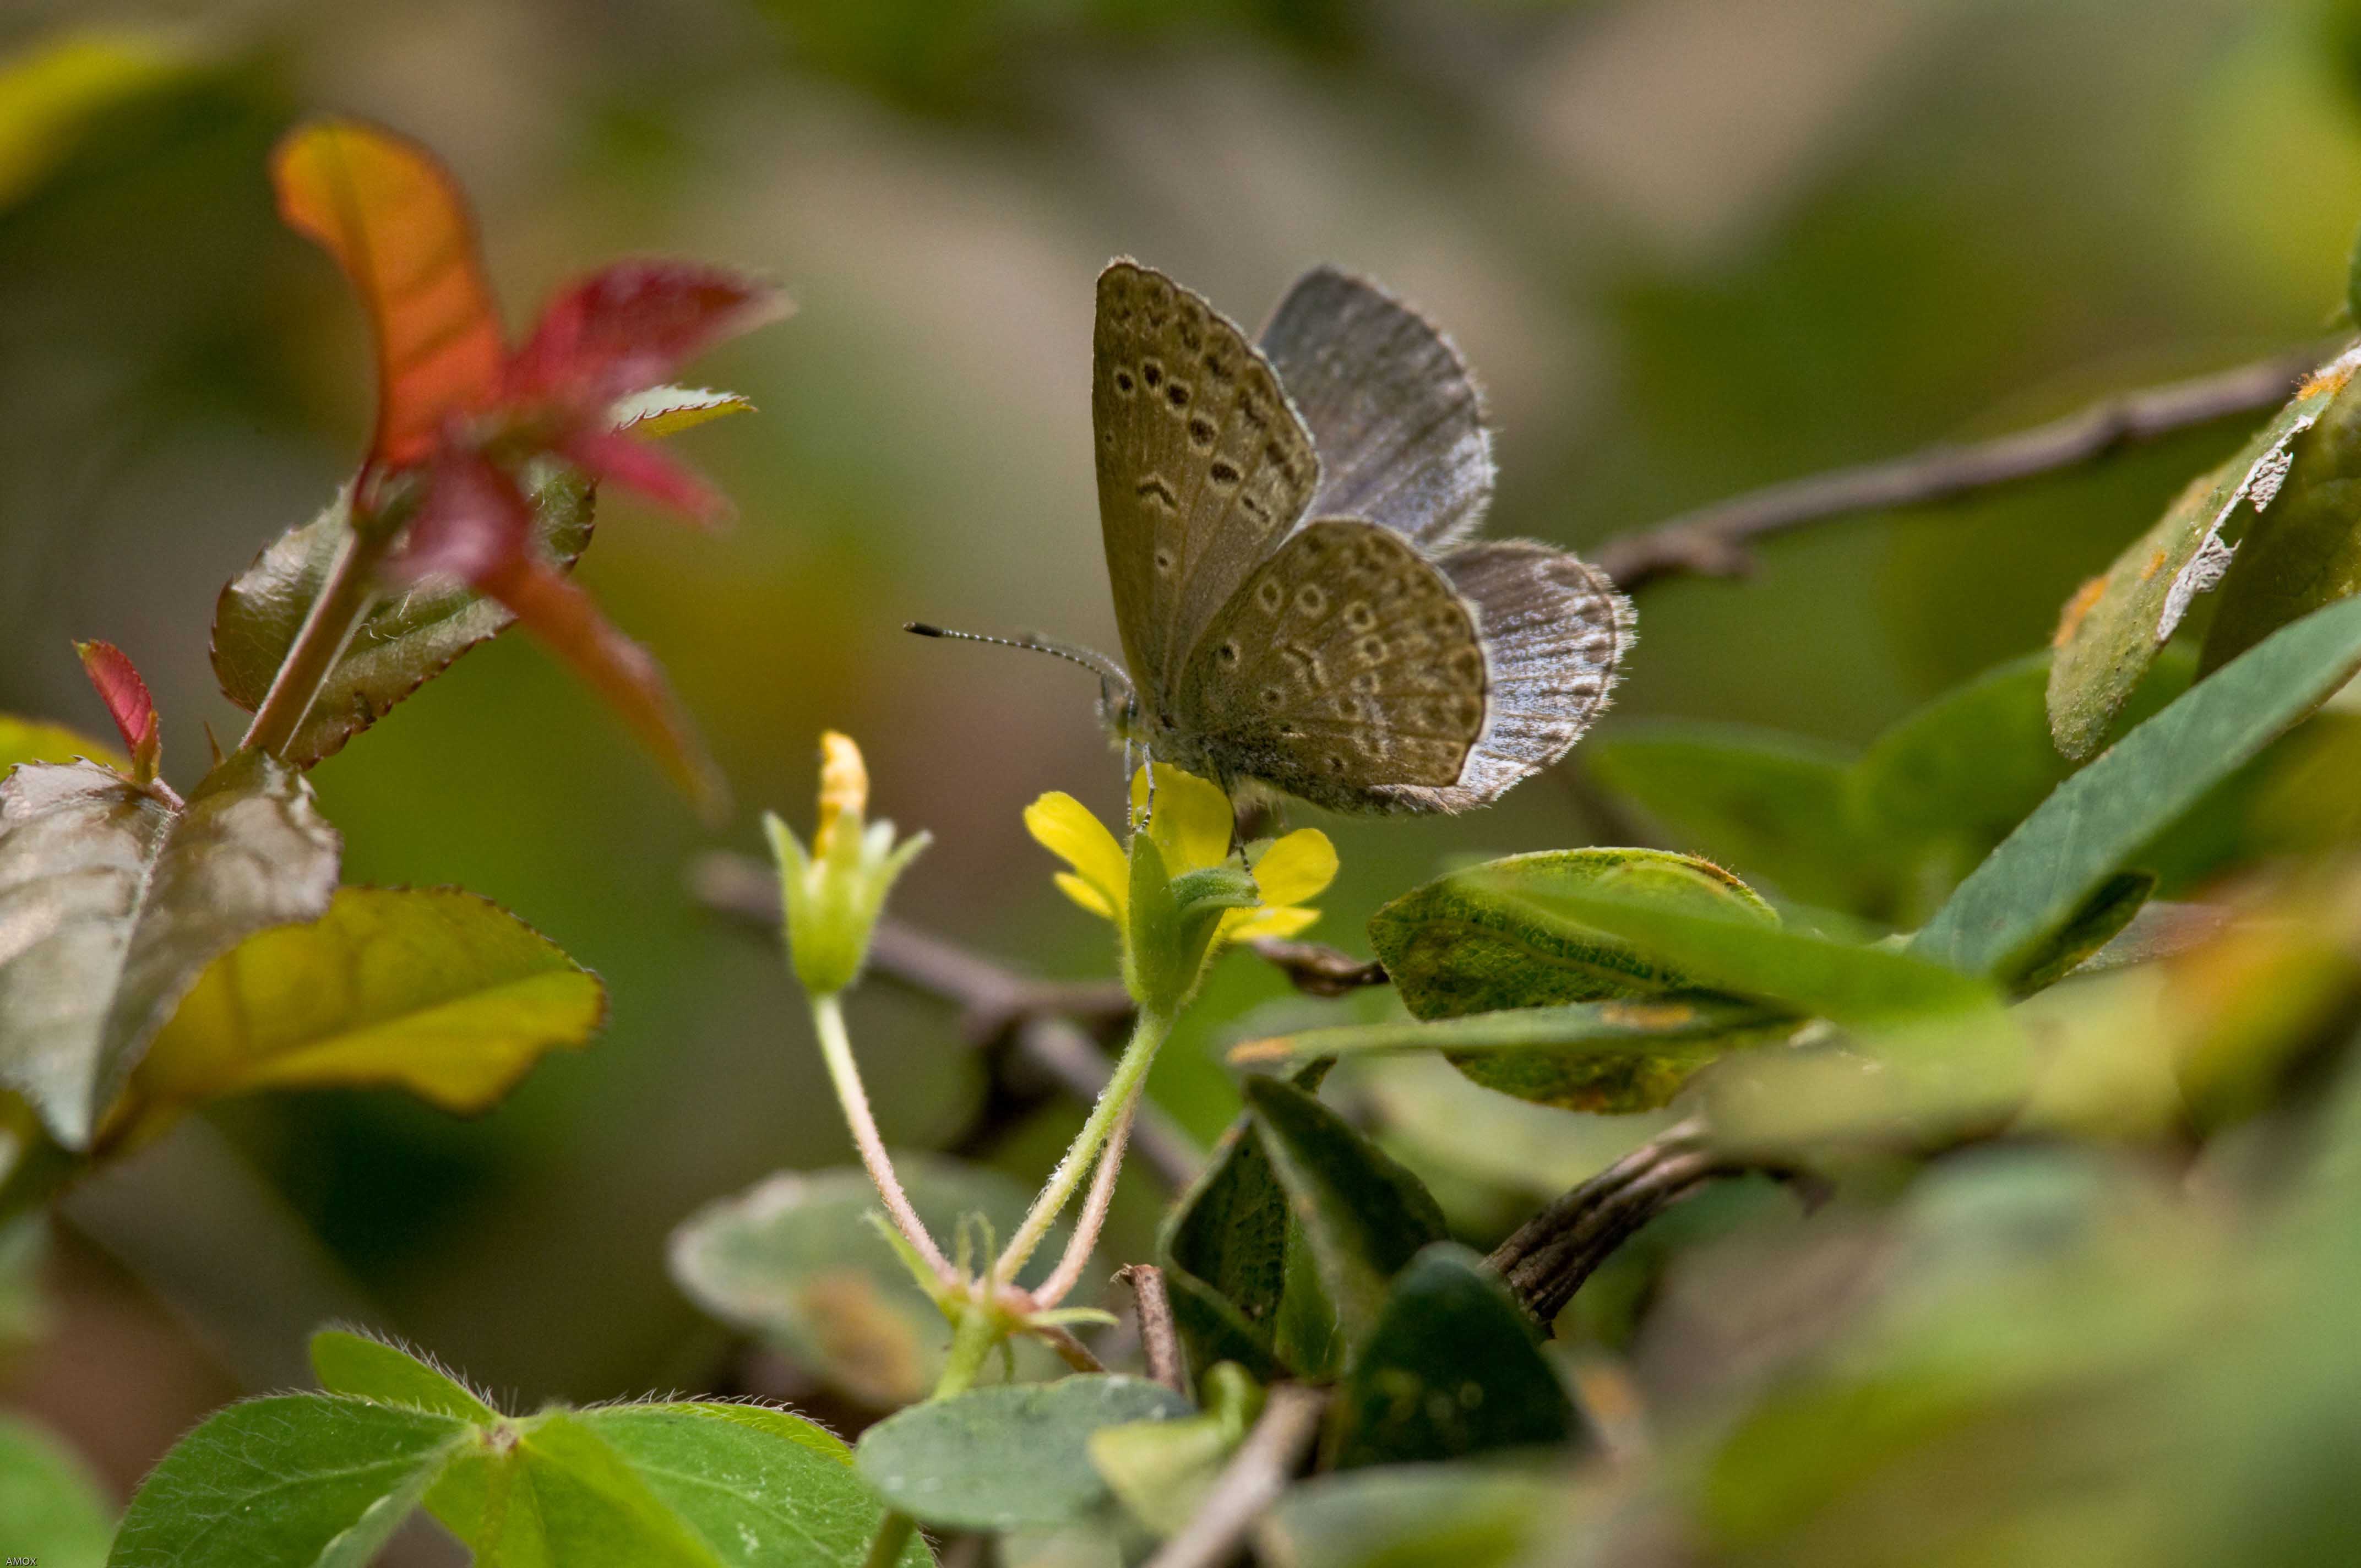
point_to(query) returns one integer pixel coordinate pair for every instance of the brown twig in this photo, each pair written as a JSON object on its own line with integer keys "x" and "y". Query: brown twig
{"x": 1317, "y": 969}
{"x": 1030, "y": 1032}
{"x": 1714, "y": 541}
{"x": 1159, "y": 1336}
{"x": 1552, "y": 1253}
{"x": 1251, "y": 1482}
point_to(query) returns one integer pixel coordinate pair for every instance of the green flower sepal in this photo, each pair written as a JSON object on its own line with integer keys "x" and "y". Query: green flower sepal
{"x": 1171, "y": 924}
{"x": 832, "y": 895}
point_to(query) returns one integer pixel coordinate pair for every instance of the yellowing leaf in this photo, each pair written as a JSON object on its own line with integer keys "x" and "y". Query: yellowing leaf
{"x": 434, "y": 991}
{"x": 668, "y": 411}
{"x": 29, "y": 741}
{"x": 48, "y": 92}
{"x": 396, "y": 224}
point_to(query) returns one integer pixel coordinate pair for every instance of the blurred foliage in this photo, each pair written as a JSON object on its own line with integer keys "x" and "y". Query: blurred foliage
{"x": 1687, "y": 256}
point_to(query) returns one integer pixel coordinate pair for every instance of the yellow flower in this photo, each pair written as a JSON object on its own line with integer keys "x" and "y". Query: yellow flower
{"x": 1191, "y": 828}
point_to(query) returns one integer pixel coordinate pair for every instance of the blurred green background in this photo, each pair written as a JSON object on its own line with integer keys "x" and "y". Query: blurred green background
{"x": 1689, "y": 246}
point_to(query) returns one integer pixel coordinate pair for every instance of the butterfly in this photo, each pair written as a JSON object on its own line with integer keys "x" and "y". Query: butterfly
{"x": 1287, "y": 526}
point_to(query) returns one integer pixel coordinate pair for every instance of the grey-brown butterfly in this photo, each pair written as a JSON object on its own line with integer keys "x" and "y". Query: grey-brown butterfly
{"x": 1286, "y": 526}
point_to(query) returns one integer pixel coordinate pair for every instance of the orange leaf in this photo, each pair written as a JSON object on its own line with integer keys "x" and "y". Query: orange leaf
{"x": 397, "y": 225}
{"x": 128, "y": 703}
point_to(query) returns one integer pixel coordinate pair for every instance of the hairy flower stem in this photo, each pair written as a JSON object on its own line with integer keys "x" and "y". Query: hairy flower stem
{"x": 836, "y": 1049}
{"x": 345, "y": 598}
{"x": 979, "y": 1331}
{"x": 1076, "y": 1257}
{"x": 1113, "y": 1106}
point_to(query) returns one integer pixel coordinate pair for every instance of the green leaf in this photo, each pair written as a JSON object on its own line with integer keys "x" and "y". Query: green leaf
{"x": 2303, "y": 552}
{"x": 29, "y": 741}
{"x": 295, "y": 1481}
{"x": 1775, "y": 805}
{"x": 1364, "y": 1215}
{"x": 1224, "y": 1250}
{"x": 1608, "y": 1058}
{"x": 434, "y": 991}
{"x": 1844, "y": 982}
{"x": 760, "y": 1487}
{"x": 1161, "y": 1470}
{"x": 2100, "y": 920}
{"x": 2113, "y": 630}
{"x": 371, "y": 1369}
{"x": 113, "y": 904}
{"x": 1452, "y": 1369}
{"x": 1468, "y": 943}
{"x": 2047, "y": 870}
{"x": 1002, "y": 1458}
{"x": 550, "y": 1492}
{"x": 1418, "y": 1516}
{"x": 50, "y": 1505}
{"x": 401, "y": 643}
{"x": 795, "y": 1260}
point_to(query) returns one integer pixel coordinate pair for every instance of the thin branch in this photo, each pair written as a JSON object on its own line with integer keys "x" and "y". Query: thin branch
{"x": 1251, "y": 1482}
{"x": 1015, "y": 1021}
{"x": 1552, "y": 1253}
{"x": 1072, "y": 1351}
{"x": 991, "y": 997}
{"x": 1159, "y": 1335}
{"x": 1081, "y": 1069}
{"x": 1318, "y": 970}
{"x": 1713, "y": 540}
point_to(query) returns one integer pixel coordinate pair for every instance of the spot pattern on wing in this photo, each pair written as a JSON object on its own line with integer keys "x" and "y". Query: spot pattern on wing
{"x": 1202, "y": 464}
{"x": 1344, "y": 665}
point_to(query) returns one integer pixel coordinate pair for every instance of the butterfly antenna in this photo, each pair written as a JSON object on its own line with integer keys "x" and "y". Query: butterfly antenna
{"x": 1097, "y": 663}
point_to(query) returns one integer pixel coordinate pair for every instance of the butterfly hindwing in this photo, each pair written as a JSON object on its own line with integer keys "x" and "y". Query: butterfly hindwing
{"x": 1555, "y": 633}
{"x": 1345, "y": 665}
{"x": 1201, "y": 463}
{"x": 1393, "y": 412}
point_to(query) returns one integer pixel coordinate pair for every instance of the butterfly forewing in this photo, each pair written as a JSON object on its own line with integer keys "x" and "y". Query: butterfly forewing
{"x": 1393, "y": 412}
{"x": 1345, "y": 663}
{"x": 1201, "y": 463}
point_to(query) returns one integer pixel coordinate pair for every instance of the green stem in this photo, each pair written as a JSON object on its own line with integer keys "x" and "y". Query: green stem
{"x": 1130, "y": 1071}
{"x": 836, "y": 1051}
{"x": 344, "y": 599}
{"x": 979, "y": 1330}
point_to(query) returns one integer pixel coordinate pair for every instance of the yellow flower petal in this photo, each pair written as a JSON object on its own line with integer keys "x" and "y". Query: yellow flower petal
{"x": 843, "y": 789}
{"x": 1083, "y": 894}
{"x": 1253, "y": 923}
{"x": 1297, "y": 867}
{"x": 1193, "y": 819}
{"x": 1064, "y": 827}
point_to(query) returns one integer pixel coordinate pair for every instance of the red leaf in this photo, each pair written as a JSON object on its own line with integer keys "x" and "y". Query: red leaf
{"x": 628, "y": 327}
{"x": 556, "y": 610}
{"x": 128, "y": 703}
{"x": 397, "y": 225}
{"x": 656, "y": 473}
{"x": 475, "y": 525}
